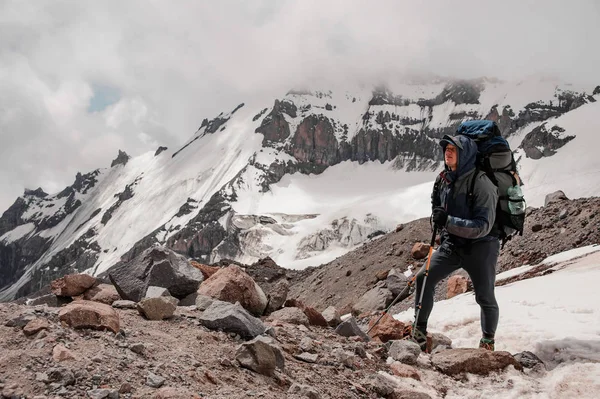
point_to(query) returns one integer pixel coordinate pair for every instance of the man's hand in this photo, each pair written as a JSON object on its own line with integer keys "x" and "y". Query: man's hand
{"x": 440, "y": 216}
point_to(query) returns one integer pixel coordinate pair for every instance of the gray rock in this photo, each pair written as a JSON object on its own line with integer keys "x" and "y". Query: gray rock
{"x": 203, "y": 302}
{"x": 103, "y": 393}
{"x": 155, "y": 292}
{"x": 404, "y": 351}
{"x": 440, "y": 341}
{"x": 124, "y": 304}
{"x": 307, "y": 357}
{"x": 156, "y": 266}
{"x": 555, "y": 197}
{"x": 303, "y": 391}
{"x": 189, "y": 300}
{"x": 350, "y": 328}
{"x": 277, "y": 296}
{"x": 375, "y": 299}
{"x": 233, "y": 318}
{"x": 154, "y": 381}
{"x": 396, "y": 282}
{"x": 21, "y": 320}
{"x": 332, "y": 316}
{"x": 528, "y": 359}
{"x": 157, "y": 308}
{"x": 61, "y": 376}
{"x": 343, "y": 357}
{"x": 261, "y": 355}
{"x": 49, "y": 300}
{"x": 138, "y": 348}
{"x": 290, "y": 315}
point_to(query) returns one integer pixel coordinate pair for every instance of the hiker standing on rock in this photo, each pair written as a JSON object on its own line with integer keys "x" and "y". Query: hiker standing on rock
{"x": 468, "y": 238}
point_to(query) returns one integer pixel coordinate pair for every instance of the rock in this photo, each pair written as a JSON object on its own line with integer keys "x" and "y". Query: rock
{"x": 528, "y": 360}
{"x": 382, "y": 274}
{"x": 260, "y": 355}
{"x": 126, "y": 387}
{"x": 332, "y": 316}
{"x": 154, "y": 381}
{"x": 408, "y": 394}
{"x": 399, "y": 228}
{"x": 159, "y": 308}
{"x": 72, "y": 284}
{"x": 61, "y": 354}
{"x": 405, "y": 371}
{"x": 350, "y": 328}
{"x": 103, "y": 393}
{"x": 475, "y": 361}
{"x": 88, "y": 314}
{"x": 189, "y": 300}
{"x": 404, "y": 351}
{"x": 307, "y": 357}
{"x": 124, "y": 304}
{"x": 396, "y": 282}
{"x": 344, "y": 357}
{"x": 203, "y": 302}
{"x": 277, "y": 296}
{"x": 556, "y": 196}
{"x": 21, "y": 320}
{"x": 156, "y": 266}
{"x": 232, "y": 284}
{"x": 303, "y": 391}
{"x": 138, "y": 348}
{"x": 420, "y": 250}
{"x": 440, "y": 341}
{"x": 35, "y": 326}
{"x": 563, "y": 214}
{"x": 103, "y": 293}
{"x": 61, "y": 376}
{"x": 373, "y": 300}
{"x": 155, "y": 292}
{"x": 49, "y": 300}
{"x": 457, "y": 285}
{"x": 537, "y": 227}
{"x": 289, "y": 315}
{"x": 174, "y": 393}
{"x": 228, "y": 317}
{"x": 387, "y": 329}
{"x": 314, "y": 317}
{"x": 207, "y": 271}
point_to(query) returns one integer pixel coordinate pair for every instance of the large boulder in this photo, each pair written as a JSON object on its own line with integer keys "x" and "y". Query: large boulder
{"x": 373, "y": 300}
{"x": 261, "y": 355}
{"x": 277, "y": 296}
{"x": 475, "y": 361}
{"x": 157, "y": 308}
{"x": 387, "y": 329}
{"x": 233, "y": 318}
{"x": 103, "y": 293}
{"x": 232, "y": 284}
{"x": 396, "y": 282}
{"x": 404, "y": 351}
{"x": 72, "y": 284}
{"x": 290, "y": 315}
{"x": 88, "y": 314}
{"x": 332, "y": 316}
{"x": 156, "y": 266}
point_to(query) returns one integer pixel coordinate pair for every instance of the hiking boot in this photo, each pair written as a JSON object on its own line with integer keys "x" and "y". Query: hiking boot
{"x": 487, "y": 344}
{"x": 421, "y": 338}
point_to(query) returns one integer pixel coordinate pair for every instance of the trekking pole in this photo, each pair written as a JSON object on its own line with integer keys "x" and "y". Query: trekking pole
{"x": 418, "y": 310}
{"x": 410, "y": 283}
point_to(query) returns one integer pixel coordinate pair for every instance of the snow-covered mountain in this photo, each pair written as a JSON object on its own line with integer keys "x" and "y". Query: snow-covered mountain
{"x": 302, "y": 180}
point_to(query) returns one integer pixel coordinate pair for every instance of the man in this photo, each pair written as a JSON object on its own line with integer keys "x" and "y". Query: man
{"x": 468, "y": 239}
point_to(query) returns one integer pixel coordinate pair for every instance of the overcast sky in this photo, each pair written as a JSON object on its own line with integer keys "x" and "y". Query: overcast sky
{"x": 81, "y": 79}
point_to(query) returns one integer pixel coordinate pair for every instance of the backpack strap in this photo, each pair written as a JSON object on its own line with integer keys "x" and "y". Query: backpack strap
{"x": 471, "y": 192}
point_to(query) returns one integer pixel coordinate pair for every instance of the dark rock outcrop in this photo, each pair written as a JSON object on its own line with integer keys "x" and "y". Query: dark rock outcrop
{"x": 121, "y": 159}
{"x": 274, "y": 126}
{"x": 541, "y": 142}
{"x": 159, "y": 150}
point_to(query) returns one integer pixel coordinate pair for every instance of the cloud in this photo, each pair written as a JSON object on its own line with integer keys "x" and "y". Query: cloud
{"x": 80, "y": 80}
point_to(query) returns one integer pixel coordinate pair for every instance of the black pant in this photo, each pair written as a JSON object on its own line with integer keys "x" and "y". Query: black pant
{"x": 479, "y": 260}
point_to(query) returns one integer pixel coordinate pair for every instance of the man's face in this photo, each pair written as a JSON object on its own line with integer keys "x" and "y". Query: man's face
{"x": 451, "y": 156}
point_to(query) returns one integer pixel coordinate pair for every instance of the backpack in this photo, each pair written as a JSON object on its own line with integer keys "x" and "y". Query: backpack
{"x": 495, "y": 159}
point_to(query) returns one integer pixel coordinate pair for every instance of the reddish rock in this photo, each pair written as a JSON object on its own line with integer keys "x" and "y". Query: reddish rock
{"x": 88, "y": 314}
{"x": 232, "y": 284}
{"x": 387, "y": 329}
{"x": 475, "y": 361}
{"x": 314, "y": 317}
{"x": 35, "y": 326}
{"x": 399, "y": 228}
{"x": 405, "y": 371}
{"x": 457, "y": 285}
{"x": 72, "y": 284}
{"x": 207, "y": 271}
{"x": 420, "y": 250}
{"x": 103, "y": 293}
{"x": 382, "y": 274}
{"x": 315, "y": 141}
{"x": 61, "y": 354}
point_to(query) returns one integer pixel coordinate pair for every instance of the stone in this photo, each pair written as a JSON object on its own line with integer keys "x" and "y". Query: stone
{"x": 396, "y": 282}
{"x": 138, "y": 348}
{"x": 420, "y": 250}
{"x": 332, "y": 316}
{"x": 404, "y": 351}
{"x": 158, "y": 308}
{"x": 156, "y": 266}
{"x": 373, "y": 300}
{"x": 124, "y": 304}
{"x": 536, "y": 227}
{"x": 457, "y": 285}
{"x": 440, "y": 341}
{"x": 232, "y": 318}
{"x": 203, "y": 302}
{"x": 103, "y": 293}
{"x": 49, "y": 300}
{"x": 72, "y": 284}
{"x": 232, "y": 284}
{"x": 289, "y": 315}
{"x": 343, "y": 357}
{"x": 556, "y": 196}
{"x": 61, "y": 376}
{"x": 60, "y": 353}
{"x": 475, "y": 361}
{"x": 207, "y": 271}
{"x": 35, "y": 326}
{"x": 174, "y": 393}
{"x": 88, "y": 314}
{"x": 387, "y": 329}
{"x": 307, "y": 357}
{"x": 277, "y": 296}
{"x": 21, "y": 320}
{"x": 528, "y": 359}
{"x": 189, "y": 300}
{"x": 405, "y": 371}
{"x": 155, "y": 292}
{"x": 103, "y": 394}
{"x": 302, "y": 391}
{"x": 382, "y": 274}
{"x": 261, "y": 355}
{"x": 350, "y": 328}
{"x": 314, "y": 317}
{"x": 154, "y": 381}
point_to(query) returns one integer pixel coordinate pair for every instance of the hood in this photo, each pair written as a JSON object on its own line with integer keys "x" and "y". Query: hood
{"x": 467, "y": 154}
